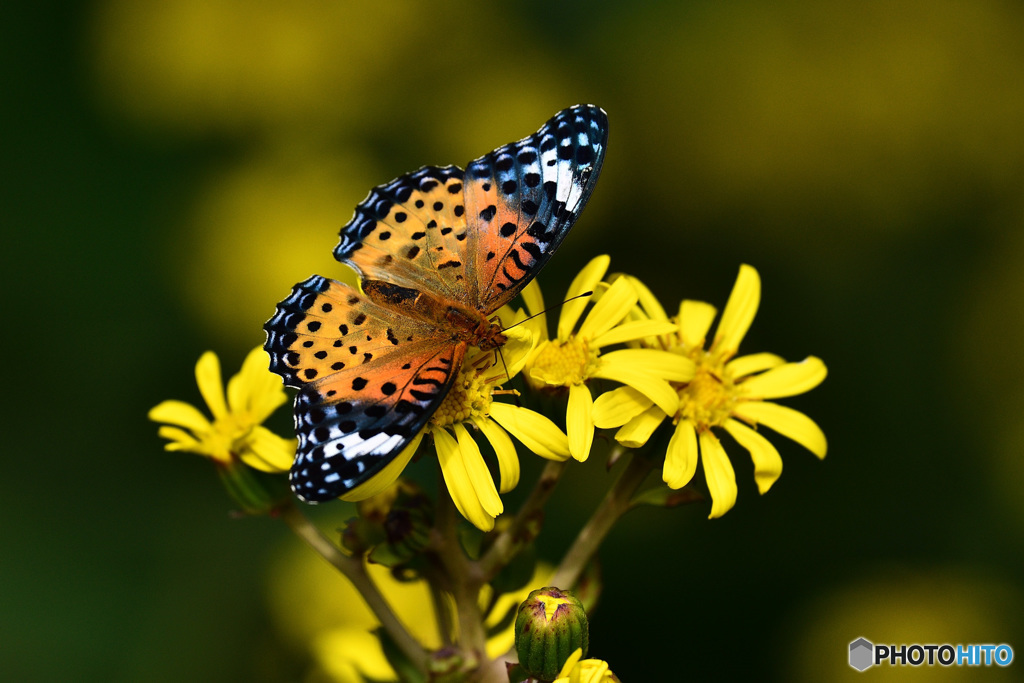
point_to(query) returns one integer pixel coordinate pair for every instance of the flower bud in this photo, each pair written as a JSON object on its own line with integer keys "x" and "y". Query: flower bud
{"x": 550, "y": 626}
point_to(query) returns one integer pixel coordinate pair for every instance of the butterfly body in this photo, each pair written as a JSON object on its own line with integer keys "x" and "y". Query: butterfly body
{"x": 463, "y": 323}
{"x": 439, "y": 251}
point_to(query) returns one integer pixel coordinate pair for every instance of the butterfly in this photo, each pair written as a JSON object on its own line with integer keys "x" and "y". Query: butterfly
{"x": 438, "y": 251}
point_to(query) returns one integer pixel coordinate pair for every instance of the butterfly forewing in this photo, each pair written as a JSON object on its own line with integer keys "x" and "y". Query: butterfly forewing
{"x": 368, "y": 382}
{"x": 412, "y": 232}
{"x": 521, "y": 200}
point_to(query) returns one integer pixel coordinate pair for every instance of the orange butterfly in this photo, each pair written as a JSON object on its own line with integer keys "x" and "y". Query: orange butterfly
{"x": 439, "y": 250}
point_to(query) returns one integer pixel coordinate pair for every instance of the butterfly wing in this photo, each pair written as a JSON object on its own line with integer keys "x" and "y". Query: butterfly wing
{"x": 368, "y": 381}
{"x": 522, "y": 198}
{"x": 370, "y": 376}
{"x": 412, "y": 232}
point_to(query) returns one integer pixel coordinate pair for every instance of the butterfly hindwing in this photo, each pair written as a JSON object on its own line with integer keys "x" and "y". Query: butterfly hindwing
{"x": 368, "y": 382}
{"x": 412, "y": 232}
{"x": 522, "y": 198}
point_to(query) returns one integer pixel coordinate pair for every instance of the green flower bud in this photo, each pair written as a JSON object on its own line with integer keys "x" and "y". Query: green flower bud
{"x": 550, "y": 626}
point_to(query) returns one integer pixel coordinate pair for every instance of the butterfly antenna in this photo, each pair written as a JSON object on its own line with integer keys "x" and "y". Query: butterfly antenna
{"x": 572, "y": 298}
{"x": 508, "y": 375}
{"x": 497, "y": 349}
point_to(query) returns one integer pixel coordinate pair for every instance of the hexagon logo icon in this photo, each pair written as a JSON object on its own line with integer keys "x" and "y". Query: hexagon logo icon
{"x": 861, "y": 654}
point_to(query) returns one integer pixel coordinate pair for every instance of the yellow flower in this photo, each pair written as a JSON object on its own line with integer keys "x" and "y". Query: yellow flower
{"x": 574, "y": 356}
{"x": 726, "y": 392}
{"x": 236, "y": 432}
{"x": 471, "y": 403}
{"x": 585, "y": 670}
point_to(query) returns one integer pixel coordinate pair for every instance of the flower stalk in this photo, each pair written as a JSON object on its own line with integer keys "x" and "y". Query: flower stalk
{"x": 615, "y": 503}
{"x": 505, "y": 546}
{"x": 355, "y": 572}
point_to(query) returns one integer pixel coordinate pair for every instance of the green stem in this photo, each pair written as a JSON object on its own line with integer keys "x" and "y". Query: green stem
{"x": 615, "y": 504}
{"x": 506, "y": 545}
{"x": 464, "y": 582}
{"x": 355, "y": 571}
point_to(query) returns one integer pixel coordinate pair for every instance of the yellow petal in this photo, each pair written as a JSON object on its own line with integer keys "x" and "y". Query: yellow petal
{"x": 739, "y": 312}
{"x": 513, "y": 355}
{"x": 268, "y": 452}
{"x": 536, "y": 432}
{"x": 786, "y": 421}
{"x": 610, "y": 310}
{"x": 617, "y": 407}
{"x": 638, "y": 430}
{"x": 664, "y": 364}
{"x": 240, "y": 386}
{"x": 585, "y": 281}
{"x": 718, "y": 472}
{"x": 457, "y": 479}
{"x": 210, "y": 386}
{"x": 255, "y": 391}
{"x": 681, "y": 456}
{"x": 534, "y": 301}
{"x": 570, "y": 663}
{"x": 504, "y": 450}
{"x": 181, "y": 414}
{"x": 786, "y": 380}
{"x": 742, "y": 366}
{"x": 180, "y": 439}
{"x": 650, "y": 304}
{"x": 479, "y": 475}
{"x": 654, "y": 388}
{"x": 579, "y": 421}
{"x": 631, "y": 331}
{"x": 767, "y": 462}
{"x": 383, "y": 480}
{"x": 695, "y": 319}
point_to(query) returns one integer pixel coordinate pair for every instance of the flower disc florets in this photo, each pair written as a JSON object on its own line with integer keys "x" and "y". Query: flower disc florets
{"x": 564, "y": 362}
{"x": 710, "y": 398}
{"x": 469, "y": 398}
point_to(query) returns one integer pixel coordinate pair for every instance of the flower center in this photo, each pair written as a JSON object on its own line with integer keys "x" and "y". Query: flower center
{"x": 564, "y": 363}
{"x": 228, "y": 437}
{"x": 470, "y": 397}
{"x": 709, "y": 398}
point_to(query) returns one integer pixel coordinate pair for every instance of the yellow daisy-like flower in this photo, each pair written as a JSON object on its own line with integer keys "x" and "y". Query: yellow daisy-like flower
{"x": 575, "y": 356}
{"x": 726, "y": 392}
{"x": 578, "y": 670}
{"x": 470, "y": 403}
{"x": 237, "y": 432}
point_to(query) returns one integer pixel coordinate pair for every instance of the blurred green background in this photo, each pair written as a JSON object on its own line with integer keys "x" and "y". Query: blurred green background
{"x": 172, "y": 168}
